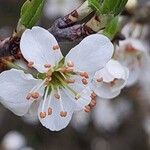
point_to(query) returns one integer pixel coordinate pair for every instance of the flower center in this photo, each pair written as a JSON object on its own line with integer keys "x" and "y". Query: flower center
{"x": 55, "y": 79}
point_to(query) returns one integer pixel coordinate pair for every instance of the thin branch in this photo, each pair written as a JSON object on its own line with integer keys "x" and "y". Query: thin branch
{"x": 9, "y": 46}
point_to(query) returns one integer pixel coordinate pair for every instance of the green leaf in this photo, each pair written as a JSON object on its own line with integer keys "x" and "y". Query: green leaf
{"x": 25, "y": 6}
{"x": 31, "y": 12}
{"x": 95, "y": 5}
{"x": 120, "y": 7}
{"x": 113, "y": 6}
{"x": 112, "y": 28}
{"x": 107, "y": 6}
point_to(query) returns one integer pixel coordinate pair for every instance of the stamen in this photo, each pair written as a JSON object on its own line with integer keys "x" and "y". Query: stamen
{"x": 93, "y": 95}
{"x": 84, "y": 81}
{"x": 35, "y": 95}
{"x": 49, "y": 74}
{"x": 57, "y": 96}
{"x": 56, "y": 47}
{"x": 30, "y": 64}
{"x": 42, "y": 115}
{"x": 112, "y": 83}
{"x": 66, "y": 69}
{"x": 92, "y": 103}
{"x": 70, "y": 64}
{"x": 78, "y": 96}
{"x": 99, "y": 79}
{"x": 45, "y": 98}
{"x": 70, "y": 80}
{"x": 35, "y": 88}
{"x": 49, "y": 111}
{"x": 47, "y": 65}
{"x": 87, "y": 109}
{"x": 130, "y": 48}
{"x": 47, "y": 80}
{"x": 63, "y": 113}
{"x": 28, "y": 96}
{"x": 84, "y": 74}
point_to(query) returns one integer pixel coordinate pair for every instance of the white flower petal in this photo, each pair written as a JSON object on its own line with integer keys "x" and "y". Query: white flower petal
{"x": 112, "y": 79}
{"x": 104, "y": 74}
{"x": 115, "y": 69}
{"x": 92, "y": 53}
{"x": 14, "y": 88}
{"x": 55, "y": 122}
{"x": 37, "y": 46}
{"x": 107, "y": 93}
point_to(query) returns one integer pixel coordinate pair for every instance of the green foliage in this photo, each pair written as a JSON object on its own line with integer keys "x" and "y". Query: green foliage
{"x": 108, "y": 6}
{"x": 111, "y": 28}
{"x": 113, "y": 6}
{"x": 31, "y": 12}
{"x": 95, "y": 5}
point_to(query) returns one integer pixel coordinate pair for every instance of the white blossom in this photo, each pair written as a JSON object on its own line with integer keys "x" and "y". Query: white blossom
{"x": 108, "y": 115}
{"x": 61, "y": 85}
{"x": 131, "y": 53}
{"x": 13, "y": 140}
{"x": 109, "y": 81}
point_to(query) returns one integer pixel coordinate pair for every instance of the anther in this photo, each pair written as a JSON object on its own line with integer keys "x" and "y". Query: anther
{"x": 70, "y": 80}
{"x": 63, "y": 113}
{"x": 84, "y": 74}
{"x": 130, "y": 48}
{"x": 113, "y": 82}
{"x": 30, "y": 64}
{"x": 35, "y": 95}
{"x": 70, "y": 64}
{"x": 49, "y": 111}
{"x": 47, "y": 81}
{"x": 29, "y": 96}
{"x": 77, "y": 97}
{"x": 99, "y": 79}
{"x": 93, "y": 95}
{"x": 84, "y": 81}
{"x": 93, "y": 103}
{"x": 49, "y": 74}
{"x": 87, "y": 109}
{"x": 56, "y": 47}
{"x": 57, "y": 96}
{"x": 42, "y": 115}
{"x": 47, "y": 65}
{"x": 66, "y": 69}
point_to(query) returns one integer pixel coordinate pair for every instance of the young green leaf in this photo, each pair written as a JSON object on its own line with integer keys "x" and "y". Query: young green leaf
{"x": 113, "y": 6}
{"x": 31, "y": 12}
{"x": 112, "y": 28}
{"x": 95, "y": 5}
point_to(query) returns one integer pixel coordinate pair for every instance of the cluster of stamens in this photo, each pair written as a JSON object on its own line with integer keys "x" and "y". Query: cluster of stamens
{"x": 112, "y": 83}
{"x": 64, "y": 79}
{"x": 92, "y": 104}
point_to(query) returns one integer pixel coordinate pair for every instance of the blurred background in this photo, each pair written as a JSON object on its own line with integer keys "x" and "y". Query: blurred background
{"x": 119, "y": 124}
